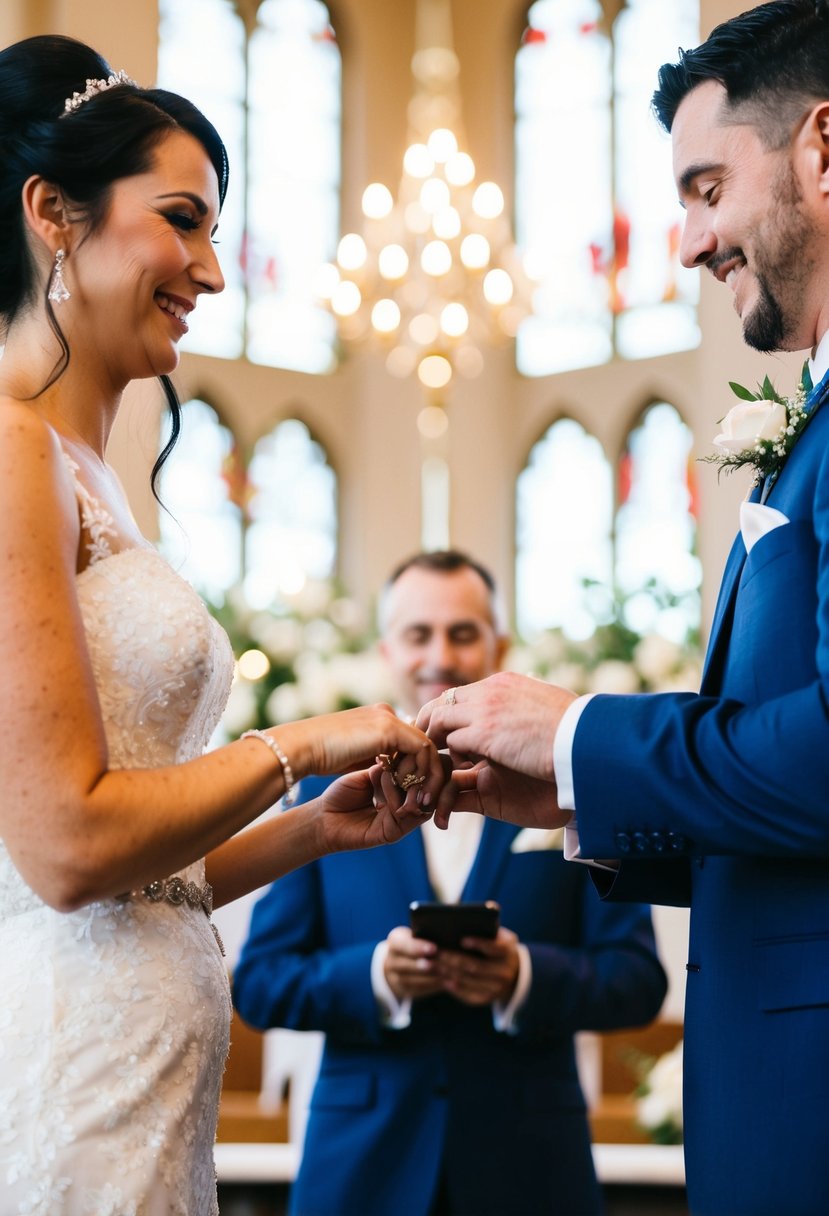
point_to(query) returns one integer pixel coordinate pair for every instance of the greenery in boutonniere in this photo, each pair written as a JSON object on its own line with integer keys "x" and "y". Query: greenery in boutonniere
{"x": 761, "y": 430}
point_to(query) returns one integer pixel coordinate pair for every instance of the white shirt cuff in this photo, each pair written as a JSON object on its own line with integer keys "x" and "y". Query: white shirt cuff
{"x": 394, "y": 1014}
{"x": 563, "y": 773}
{"x": 563, "y": 752}
{"x": 504, "y": 1016}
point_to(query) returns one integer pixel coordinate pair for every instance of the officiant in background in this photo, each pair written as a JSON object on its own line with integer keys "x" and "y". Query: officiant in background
{"x": 448, "y": 1082}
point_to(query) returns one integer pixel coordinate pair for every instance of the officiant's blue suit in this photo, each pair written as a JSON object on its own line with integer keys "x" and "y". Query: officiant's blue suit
{"x": 722, "y": 801}
{"x": 501, "y": 1115}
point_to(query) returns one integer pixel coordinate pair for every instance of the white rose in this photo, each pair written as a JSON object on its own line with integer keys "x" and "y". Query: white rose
{"x": 749, "y": 421}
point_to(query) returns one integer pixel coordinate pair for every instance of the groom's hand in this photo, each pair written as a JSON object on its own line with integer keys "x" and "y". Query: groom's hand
{"x": 499, "y": 793}
{"x": 508, "y": 719}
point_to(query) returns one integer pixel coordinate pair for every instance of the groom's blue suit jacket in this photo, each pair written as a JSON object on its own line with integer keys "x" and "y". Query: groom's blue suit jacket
{"x": 722, "y": 801}
{"x": 503, "y": 1115}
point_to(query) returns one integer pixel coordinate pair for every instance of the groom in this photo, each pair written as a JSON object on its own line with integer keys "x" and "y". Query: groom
{"x": 721, "y": 799}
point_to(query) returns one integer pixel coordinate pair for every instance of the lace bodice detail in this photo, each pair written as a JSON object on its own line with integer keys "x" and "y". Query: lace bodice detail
{"x": 112, "y": 1047}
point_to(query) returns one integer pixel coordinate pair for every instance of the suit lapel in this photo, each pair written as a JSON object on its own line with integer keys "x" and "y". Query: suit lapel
{"x": 724, "y": 610}
{"x": 490, "y": 860}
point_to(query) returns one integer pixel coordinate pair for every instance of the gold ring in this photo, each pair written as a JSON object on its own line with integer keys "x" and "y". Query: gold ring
{"x": 409, "y": 780}
{"x": 449, "y": 696}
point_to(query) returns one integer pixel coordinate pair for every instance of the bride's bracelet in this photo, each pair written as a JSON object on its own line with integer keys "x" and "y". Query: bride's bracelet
{"x": 291, "y": 788}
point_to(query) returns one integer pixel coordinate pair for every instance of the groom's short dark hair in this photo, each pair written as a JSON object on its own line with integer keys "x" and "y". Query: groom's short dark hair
{"x": 773, "y": 62}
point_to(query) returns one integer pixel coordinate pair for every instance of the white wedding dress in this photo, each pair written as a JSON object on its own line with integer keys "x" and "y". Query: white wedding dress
{"x": 114, "y": 1020}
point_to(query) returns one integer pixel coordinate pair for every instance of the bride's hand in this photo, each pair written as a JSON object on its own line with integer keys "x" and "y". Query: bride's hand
{"x": 365, "y": 809}
{"x": 354, "y": 738}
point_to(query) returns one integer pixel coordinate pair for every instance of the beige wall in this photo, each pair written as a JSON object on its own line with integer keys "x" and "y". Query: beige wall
{"x": 365, "y": 418}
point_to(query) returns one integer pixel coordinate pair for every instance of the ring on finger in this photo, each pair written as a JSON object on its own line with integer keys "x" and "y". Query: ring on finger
{"x": 449, "y": 697}
{"x": 407, "y": 781}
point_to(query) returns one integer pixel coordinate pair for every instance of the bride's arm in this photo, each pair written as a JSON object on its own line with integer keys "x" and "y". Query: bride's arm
{"x": 359, "y": 811}
{"x": 76, "y": 830}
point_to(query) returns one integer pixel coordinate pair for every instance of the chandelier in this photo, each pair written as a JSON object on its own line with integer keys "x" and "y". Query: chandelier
{"x": 434, "y": 277}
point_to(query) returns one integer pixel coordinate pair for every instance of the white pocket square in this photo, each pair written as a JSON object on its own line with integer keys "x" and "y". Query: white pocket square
{"x": 532, "y": 839}
{"x": 756, "y": 521}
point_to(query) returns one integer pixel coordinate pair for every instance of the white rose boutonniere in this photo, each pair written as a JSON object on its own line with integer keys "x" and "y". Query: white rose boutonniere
{"x": 744, "y": 424}
{"x": 762, "y": 429}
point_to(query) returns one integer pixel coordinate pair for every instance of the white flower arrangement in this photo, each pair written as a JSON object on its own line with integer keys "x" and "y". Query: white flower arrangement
{"x": 315, "y": 653}
{"x": 311, "y": 654}
{"x": 615, "y": 659}
{"x": 659, "y": 1097}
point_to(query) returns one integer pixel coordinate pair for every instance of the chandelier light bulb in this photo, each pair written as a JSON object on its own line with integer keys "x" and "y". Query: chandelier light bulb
{"x": 436, "y": 258}
{"x": 418, "y": 161}
{"x": 352, "y": 252}
{"x": 432, "y": 422}
{"x": 385, "y": 316}
{"x": 434, "y": 195}
{"x": 460, "y": 169}
{"x": 423, "y": 329}
{"x": 454, "y": 320}
{"x": 377, "y": 201}
{"x": 416, "y": 218}
{"x": 442, "y": 144}
{"x": 498, "y": 287}
{"x": 392, "y": 262}
{"x": 434, "y": 371}
{"x": 346, "y": 299}
{"x": 488, "y": 201}
{"x": 475, "y": 251}
{"x": 446, "y": 223}
{"x": 400, "y": 362}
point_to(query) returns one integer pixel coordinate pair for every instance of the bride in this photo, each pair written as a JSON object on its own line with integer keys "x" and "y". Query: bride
{"x": 117, "y": 832}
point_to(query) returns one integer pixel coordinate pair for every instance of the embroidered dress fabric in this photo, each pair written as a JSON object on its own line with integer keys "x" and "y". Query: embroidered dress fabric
{"x": 114, "y": 1019}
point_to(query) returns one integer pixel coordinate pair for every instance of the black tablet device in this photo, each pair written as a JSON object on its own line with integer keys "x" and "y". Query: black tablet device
{"x": 447, "y": 924}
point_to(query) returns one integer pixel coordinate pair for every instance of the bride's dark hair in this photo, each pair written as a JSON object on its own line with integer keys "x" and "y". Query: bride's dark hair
{"x": 109, "y": 137}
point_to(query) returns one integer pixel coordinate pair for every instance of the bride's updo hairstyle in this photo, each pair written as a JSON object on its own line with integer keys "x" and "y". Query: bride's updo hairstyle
{"x": 83, "y": 152}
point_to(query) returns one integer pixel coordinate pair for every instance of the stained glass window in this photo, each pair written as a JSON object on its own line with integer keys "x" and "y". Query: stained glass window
{"x": 595, "y": 206}
{"x": 292, "y": 533}
{"x": 657, "y": 570}
{"x": 201, "y": 54}
{"x": 563, "y": 210}
{"x": 564, "y": 514}
{"x": 201, "y": 528}
{"x": 268, "y": 524}
{"x": 655, "y": 295}
{"x": 274, "y": 94}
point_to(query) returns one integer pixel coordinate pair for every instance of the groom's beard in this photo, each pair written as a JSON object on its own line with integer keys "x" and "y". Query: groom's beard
{"x": 782, "y": 266}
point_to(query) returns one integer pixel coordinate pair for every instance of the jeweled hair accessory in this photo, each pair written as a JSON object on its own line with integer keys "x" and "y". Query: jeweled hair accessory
{"x": 93, "y": 88}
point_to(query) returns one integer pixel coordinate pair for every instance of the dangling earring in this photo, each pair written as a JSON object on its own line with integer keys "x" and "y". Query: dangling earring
{"x": 58, "y": 291}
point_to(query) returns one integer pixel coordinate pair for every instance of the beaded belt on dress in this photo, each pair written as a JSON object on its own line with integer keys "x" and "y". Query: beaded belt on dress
{"x": 178, "y": 892}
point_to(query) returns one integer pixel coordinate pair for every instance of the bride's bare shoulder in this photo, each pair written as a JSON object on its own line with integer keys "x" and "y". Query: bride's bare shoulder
{"x": 31, "y": 460}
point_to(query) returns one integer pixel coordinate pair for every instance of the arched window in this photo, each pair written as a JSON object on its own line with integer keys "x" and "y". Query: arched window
{"x": 292, "y": 529}
{"x": 595, "y": 207}
{"x": 266, "y": 524}
{"x": 582, "y": 558}
{"x": 657, "y": 571}
{"x": 273, "y": 92}
{"x": 564, "y": 513}
{"x": 202, "y": 525}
